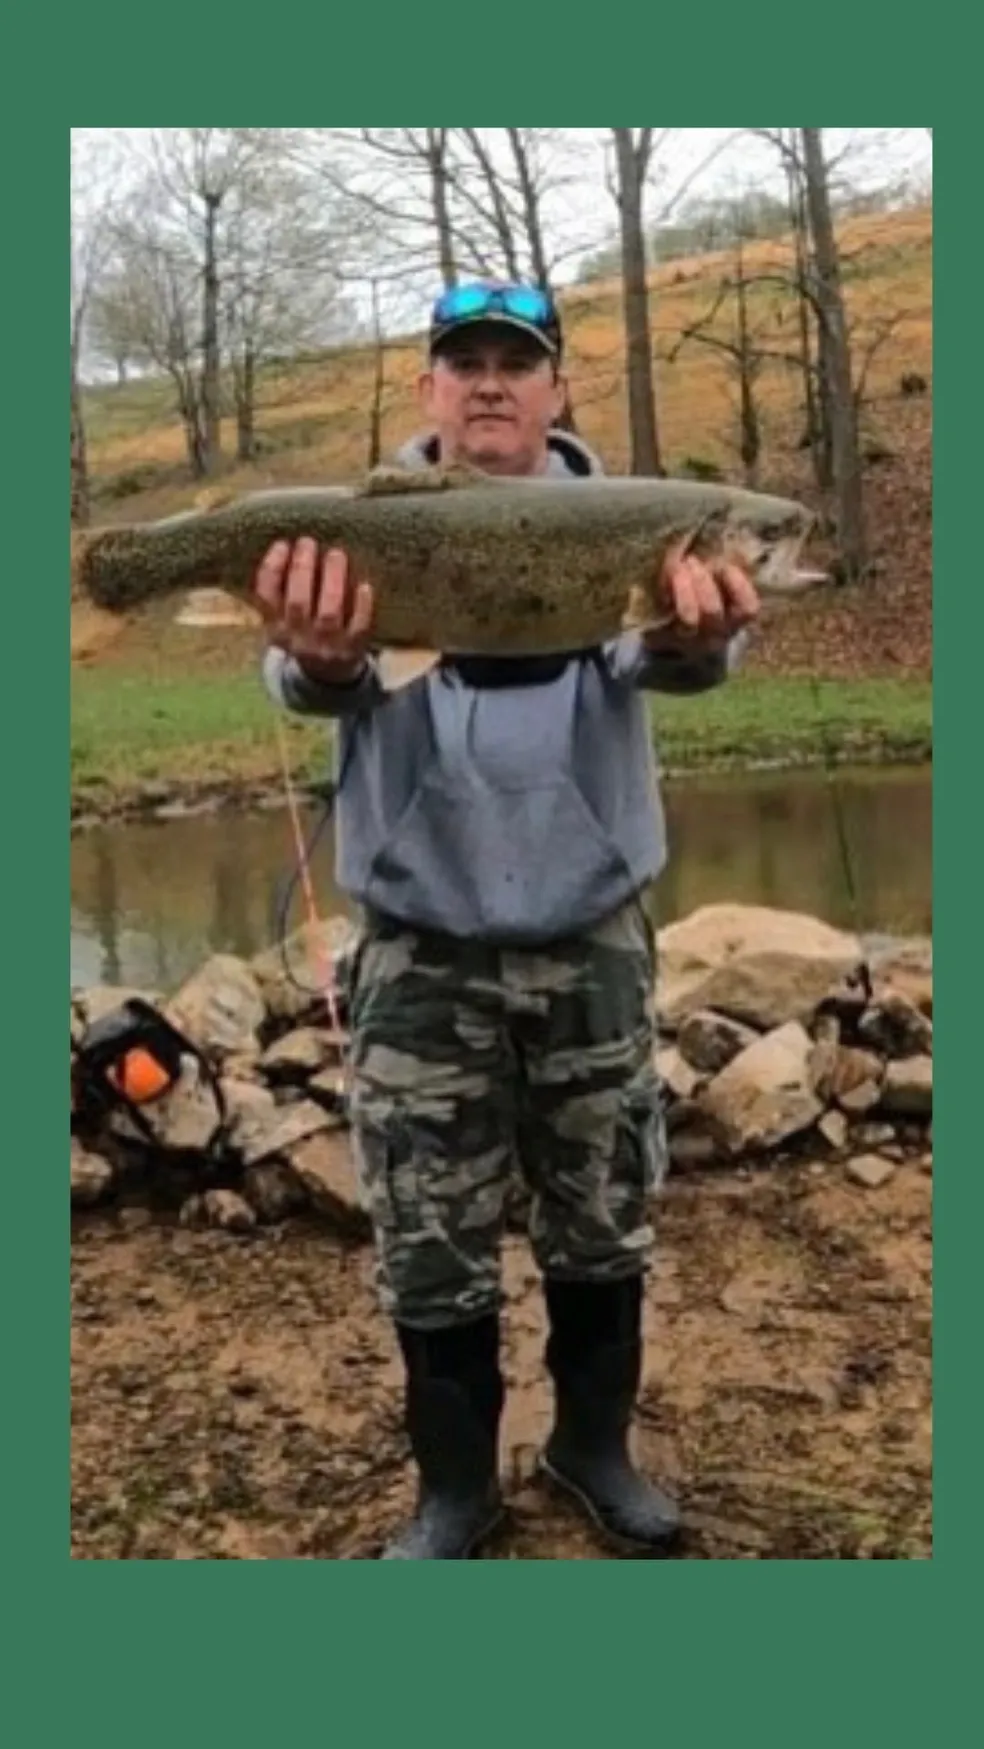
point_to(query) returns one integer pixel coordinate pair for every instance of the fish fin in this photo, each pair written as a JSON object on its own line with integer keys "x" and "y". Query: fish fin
{"x": 393, "y": 482}
{"x": 639, "y": 615}
{"x": 400, "y": 668}
{"x": 213, "y": 608}
{"x": 93, "y": 629}
{"x": 79, "y": 543}
{"x": 213, "y": 498}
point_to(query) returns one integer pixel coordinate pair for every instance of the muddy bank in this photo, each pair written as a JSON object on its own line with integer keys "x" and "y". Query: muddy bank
{"x": 238, "y": 1398}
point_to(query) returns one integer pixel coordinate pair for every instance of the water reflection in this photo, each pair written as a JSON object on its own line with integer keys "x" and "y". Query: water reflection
{"x": 149, "y": 902}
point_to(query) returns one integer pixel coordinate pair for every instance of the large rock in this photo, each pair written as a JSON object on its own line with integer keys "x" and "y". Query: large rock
{"x": 908, "y": 1087}
{"x": 894, "y": 1025}
{"x": 756, "y": 965}
{"x": 849, "y": 1076}
{"x": 188, "y": 1115}
{"x": 323, "y": 1164}
{"x": 273, "y": 1190}
{"x": 676, "y": 1075}
{"x": 91, "y": 1176}
{"x": 906, "y": 966}
{"x": 251, "y": 1114}
{"x": 764, "y": 1095}
{"x": 300, "y": 1053}
{"x": 269, "y": 1131}
{"x": 710, "y": 1041}
{"x": 99, "y": 1000}
{"x": 292, "y": 975}
{"x": 220, "y": 1009}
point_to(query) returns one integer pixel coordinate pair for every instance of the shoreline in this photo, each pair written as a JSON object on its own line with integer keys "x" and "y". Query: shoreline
{"x": 158, "y": 800}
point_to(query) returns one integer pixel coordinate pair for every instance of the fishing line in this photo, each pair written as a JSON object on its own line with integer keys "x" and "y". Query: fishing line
{"x": 304, "y": 848}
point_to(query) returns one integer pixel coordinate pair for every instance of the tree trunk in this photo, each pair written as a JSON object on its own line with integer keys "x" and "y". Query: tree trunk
{"x": 379, "y": 366}
{"x": 824, "y": 414}
{"x": 531, "y": 209}
{"x": 190, "y": 410}
{"x": 211, "y": 432}
{"x": 79, "y": 466}
{"x": 845, "y": 455}
{"x": 436, "y": 158}
{"x": 815, "y": 425}
{"x": 751, "y": 439}
{"x": 246, "y": 404}
{"x": 643, "y": 432}
{"x": 499, "y": 212}
{"x": 565, "y": 420}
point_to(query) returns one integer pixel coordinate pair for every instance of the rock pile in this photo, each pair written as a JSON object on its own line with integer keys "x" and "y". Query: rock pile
{"x": 777, "y": 1035}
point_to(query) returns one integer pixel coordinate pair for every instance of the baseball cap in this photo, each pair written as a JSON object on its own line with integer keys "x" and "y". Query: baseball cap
{"x": 527, "y": 308}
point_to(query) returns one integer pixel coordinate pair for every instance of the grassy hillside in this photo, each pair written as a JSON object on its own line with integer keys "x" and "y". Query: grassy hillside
{"x": 313, "y": 416}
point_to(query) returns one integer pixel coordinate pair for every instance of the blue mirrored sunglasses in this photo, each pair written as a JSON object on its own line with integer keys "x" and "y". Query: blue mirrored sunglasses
{"x": 526, "y": 303}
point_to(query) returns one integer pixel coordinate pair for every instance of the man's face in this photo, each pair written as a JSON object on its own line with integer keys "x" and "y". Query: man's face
{"x": 492, "y": 396}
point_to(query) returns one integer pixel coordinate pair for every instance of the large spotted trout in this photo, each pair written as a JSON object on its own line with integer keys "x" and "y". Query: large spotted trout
{"x": 462, "y": 563}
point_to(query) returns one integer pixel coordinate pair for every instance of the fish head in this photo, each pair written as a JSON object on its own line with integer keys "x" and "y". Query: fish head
{"x": 768, "y": 549}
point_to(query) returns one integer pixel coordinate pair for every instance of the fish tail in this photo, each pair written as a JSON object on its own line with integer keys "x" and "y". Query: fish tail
{"x": 81, "y": 541}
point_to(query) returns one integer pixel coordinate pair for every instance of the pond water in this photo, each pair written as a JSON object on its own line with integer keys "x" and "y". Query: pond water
{"x": 151, "y": 900}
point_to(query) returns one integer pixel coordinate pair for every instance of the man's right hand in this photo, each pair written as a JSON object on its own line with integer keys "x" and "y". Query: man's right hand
{"x": 312, "y": 611}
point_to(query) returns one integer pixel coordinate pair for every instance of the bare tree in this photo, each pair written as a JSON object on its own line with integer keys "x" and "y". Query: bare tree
{"x": 845, "y": 451}
{"x": 223, "y": 256}
{"x": 637, "y": 157}
{"x": 814, "y": 397}
{"x": 745, "y": 353}
{"x": 633, "y": 149}
{"x": 154, "y": 293}
{"x": 518, "y": 166}
{"x": 280, "y": 292}
{"x": 195, "y": 170}
{"x": 378, "y": 383}
{"x": 91, "y": 197}
{"x": 522, "y": 144}
{"x": 392, "y": 188}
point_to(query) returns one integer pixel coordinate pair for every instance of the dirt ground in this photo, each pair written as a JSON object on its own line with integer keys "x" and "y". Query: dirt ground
{"x": 238, "y": 1398}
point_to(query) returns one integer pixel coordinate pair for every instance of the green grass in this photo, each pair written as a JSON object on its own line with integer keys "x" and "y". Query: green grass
{"x": 752, "y": 721}
{"x": 128, "y": 731}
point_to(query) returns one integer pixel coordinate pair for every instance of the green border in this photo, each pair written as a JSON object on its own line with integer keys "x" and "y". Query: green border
{"x": 792, "y": 1651}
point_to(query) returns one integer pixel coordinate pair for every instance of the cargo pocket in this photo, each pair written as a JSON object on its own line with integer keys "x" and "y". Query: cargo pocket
{"x": 385, "y": 1173}
{"x": 641, "y": 1154}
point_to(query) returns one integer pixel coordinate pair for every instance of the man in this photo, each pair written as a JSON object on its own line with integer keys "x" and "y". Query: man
{"x": 498, "y": 821}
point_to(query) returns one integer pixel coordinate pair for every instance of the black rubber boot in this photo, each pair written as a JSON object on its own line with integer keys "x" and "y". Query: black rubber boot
{"x": 454, "y": 1396}
{"x": 594, "y": 1353}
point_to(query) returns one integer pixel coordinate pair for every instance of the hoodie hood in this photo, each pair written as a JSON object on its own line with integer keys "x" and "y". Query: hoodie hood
{"x": 567, "y": 454}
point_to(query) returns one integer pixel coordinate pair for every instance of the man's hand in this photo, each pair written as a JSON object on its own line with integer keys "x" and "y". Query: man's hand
{"x": 709, "y": 604}
{"x": 313, "y": 612}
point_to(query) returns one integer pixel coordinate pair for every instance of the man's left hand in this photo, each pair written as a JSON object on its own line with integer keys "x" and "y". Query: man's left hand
{"x": 709, "y": 604}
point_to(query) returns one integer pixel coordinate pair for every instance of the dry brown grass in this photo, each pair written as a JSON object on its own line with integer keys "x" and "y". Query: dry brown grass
{"x": 318, "y": 410}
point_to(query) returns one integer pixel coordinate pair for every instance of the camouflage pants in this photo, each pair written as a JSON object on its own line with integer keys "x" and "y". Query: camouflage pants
{"x": 469, "y": 1059}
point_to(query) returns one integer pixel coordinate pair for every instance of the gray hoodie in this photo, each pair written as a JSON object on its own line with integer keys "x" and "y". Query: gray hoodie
{"x": 515, "y": 813}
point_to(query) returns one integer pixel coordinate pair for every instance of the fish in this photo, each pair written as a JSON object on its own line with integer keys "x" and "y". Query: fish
{"x": 463, "y": 563}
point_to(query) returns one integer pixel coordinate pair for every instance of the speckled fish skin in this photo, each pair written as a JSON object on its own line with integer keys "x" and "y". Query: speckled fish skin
{"x": 463, "y": 563}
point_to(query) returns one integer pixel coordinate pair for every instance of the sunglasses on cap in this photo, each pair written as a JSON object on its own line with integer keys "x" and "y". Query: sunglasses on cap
{"x": 523, "y": 306}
